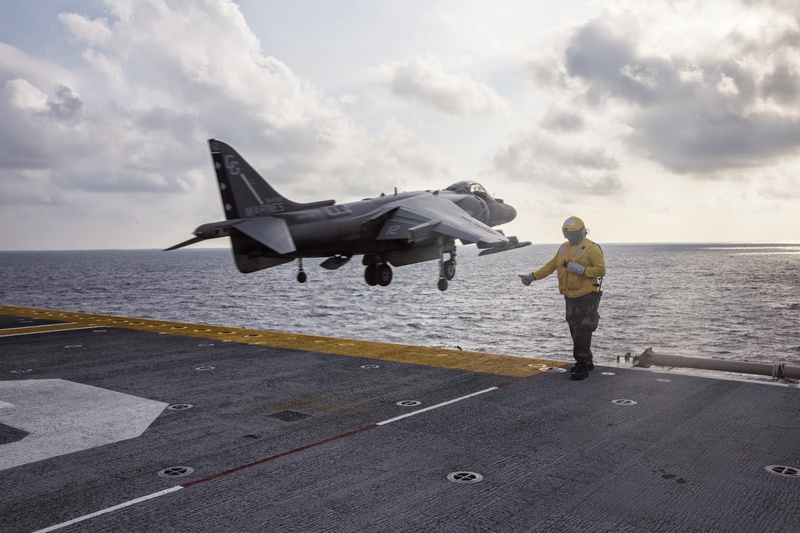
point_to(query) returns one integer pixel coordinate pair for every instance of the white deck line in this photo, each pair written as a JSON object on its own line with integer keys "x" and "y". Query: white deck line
{"x": 109, "y": 510}
{"x": 438, "y": 405}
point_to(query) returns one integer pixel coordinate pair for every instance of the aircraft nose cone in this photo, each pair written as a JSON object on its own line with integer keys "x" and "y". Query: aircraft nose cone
{"x": 502, "y": 213}
{"x": 510, "y": 213}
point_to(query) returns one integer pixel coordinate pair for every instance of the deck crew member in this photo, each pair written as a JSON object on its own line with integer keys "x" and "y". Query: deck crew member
{"x": 580, "y": 267}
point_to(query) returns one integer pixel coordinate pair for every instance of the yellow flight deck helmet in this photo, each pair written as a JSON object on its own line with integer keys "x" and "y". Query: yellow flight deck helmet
{"x": 573, "y": 224}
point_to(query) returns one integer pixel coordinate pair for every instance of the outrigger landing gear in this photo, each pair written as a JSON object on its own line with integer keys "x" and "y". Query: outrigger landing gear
{"x": 301, "y": 275}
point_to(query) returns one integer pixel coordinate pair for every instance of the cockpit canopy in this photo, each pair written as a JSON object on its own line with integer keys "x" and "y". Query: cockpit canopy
{"x": 471, "y": 187}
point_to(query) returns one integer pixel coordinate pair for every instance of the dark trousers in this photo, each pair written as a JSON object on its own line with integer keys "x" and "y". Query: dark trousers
{"x": 583, "y": 318}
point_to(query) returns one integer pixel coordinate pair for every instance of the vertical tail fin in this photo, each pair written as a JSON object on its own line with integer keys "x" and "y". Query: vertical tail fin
{"x": 244, "y": 192}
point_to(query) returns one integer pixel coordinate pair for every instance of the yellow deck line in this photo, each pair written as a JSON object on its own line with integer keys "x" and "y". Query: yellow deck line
{"x": 505, "y": 365}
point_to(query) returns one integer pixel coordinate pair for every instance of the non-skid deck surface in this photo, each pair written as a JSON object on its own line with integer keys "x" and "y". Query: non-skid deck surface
{"x": 120, "y": 424}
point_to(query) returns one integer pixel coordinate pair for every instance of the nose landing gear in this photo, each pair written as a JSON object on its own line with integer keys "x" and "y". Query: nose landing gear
{"x": 447, "y": 269}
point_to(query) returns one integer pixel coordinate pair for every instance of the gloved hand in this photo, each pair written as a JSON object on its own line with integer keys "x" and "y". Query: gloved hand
{"x": 526, "y": 278}
{"x": 576, "y": 268}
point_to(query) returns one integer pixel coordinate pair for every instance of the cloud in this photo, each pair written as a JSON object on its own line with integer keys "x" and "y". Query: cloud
{"x": 563, "y": 120}
{"x": 91, "y": 32}
{"x": 782, "y": 84}
{"x": 15, "y": 64}
{"x": 779, "y": 184}
{"x": 24, "y": 96}
{"x": 38, "y": 129}
{"x": 422, "y": 79}
{"x": 704, "y": 112}
{"x": 560, "y": 163}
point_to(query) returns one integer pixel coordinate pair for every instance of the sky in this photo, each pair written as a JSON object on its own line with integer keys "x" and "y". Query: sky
{"x": 662, "y": 121}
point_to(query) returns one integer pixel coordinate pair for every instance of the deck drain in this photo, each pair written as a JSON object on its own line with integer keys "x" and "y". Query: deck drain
{"x": 664, "y": 380}
{"x": 781, "y": 470}
{"x": 409, "y": 403}
{"x": 624, "y": 402}
{"x": 180, "y": 406}
{"x": 370, "y": 366}
{"x": 206, "y": 344}
{"x": 205, "y": 368}
{"x": 465, "y": 477}
{"x": 289, "y": 416}
{"x": 176, "y": 471}
{"x": 99, "y": 331}
{"x": 22, "y": 371}
{"x": 73, "y": 346}
{"x": 607, "y": 374}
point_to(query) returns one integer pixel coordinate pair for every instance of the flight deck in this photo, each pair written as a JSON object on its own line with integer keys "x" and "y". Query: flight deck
{"x": 123, "y": 424}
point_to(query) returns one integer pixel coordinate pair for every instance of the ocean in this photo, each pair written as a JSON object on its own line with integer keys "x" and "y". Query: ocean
{"x": 738, "y": 302}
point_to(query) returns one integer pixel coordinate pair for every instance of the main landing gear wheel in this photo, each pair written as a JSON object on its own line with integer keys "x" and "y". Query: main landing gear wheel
{"x": 378, "y": 275}
{"x": 371, "y": 275}
{"x": 384, "y": 275}
{"x": 301, "y": 275}
{"x": 442, "y": 284}
{"x": 449, "y": 270}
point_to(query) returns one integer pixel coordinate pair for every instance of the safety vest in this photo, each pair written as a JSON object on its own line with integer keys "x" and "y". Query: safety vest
{"x": 574, "y": 285}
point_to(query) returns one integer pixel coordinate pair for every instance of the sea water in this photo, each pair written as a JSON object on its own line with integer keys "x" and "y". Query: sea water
{"x": 737, "y": 302}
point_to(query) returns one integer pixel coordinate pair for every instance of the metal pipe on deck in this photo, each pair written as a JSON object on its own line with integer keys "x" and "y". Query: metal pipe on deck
{"x": 776, "y": 370}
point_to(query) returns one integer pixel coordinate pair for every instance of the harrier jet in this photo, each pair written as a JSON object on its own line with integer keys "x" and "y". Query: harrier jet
{"x": 267, "y": 229}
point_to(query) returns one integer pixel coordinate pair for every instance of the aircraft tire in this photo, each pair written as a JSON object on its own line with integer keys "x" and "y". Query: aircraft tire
{"x": 371, "y": 275}
{"x": 384, "y": 275}
{"x": 302, "y": 277}
{"x": 442, "y": 284}
{"x": 449, "y": 269}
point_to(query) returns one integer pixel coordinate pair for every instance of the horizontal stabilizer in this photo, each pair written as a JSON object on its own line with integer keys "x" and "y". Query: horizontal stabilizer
{"x": 184, "y": 243}
{"x": 270, "y": 231}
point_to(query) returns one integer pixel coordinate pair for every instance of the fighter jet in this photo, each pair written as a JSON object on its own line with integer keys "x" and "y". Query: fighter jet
{"x": 267, "y": 229}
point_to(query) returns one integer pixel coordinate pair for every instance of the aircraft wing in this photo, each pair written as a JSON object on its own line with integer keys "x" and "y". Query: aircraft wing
{"x": 428, "y": 215}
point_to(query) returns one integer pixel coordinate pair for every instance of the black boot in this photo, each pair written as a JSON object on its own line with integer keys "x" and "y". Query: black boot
{"x": 581, "y": 370}
{"x": 589, "y": 365}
